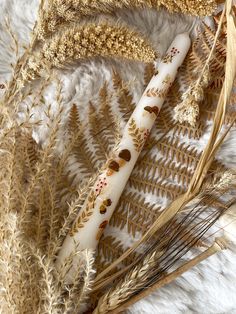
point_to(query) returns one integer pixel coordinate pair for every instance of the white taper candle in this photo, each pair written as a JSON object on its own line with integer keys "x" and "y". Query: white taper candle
{"x": 104, "y": 196}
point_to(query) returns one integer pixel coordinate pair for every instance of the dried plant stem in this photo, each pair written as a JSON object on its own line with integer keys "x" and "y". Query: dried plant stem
{"x": 213, "y": 45}
{"x": 188, "y": 109}
{"x": 217, "y": 246}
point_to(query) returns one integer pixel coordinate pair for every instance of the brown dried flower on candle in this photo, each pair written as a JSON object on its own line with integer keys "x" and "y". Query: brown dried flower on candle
{"x": 88, "y": 41}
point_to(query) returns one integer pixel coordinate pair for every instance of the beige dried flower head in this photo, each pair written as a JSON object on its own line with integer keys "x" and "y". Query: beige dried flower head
{"x": 88, "y": 41}
{"x": 60, "y": 12}
{"x": 188, "y": 109}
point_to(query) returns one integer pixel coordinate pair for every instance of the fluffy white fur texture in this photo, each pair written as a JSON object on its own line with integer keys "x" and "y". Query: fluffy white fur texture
{"x": 209, "y": 288}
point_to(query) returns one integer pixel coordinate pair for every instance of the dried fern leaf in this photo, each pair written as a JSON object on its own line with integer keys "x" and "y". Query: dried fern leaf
{"x": 182, "y": 153}
{"x": 100, "y": 141}
{"x": 124, "y": 96}
{"x": 110, "y": 248}
{"x": 209, "y": 113}
{"x": 134, "y": 212}
{"x": 197, "y": 57}
{"x": 149, "y": 71}
{"x": 155, "y": 186}
{"x": 74, "y": 119}
{"x": 81, "y": 150}
{"x": 164, "y": 121}
{"x": 166, "y": 169}
{"x": 108, "y": 122}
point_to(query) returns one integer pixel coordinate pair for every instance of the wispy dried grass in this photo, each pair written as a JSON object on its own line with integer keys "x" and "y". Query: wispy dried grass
{"x": 34, "y": 217}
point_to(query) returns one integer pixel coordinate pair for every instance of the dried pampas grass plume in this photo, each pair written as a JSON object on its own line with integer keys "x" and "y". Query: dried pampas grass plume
{"x": 88, "y": 41}
{"x": 59, "y": 12}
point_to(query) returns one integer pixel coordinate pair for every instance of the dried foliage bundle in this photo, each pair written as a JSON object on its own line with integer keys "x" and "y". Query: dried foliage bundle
{"x": 35, "y": 191}
{"x": 41, "y": 191}
{"x": 59, "y": 12}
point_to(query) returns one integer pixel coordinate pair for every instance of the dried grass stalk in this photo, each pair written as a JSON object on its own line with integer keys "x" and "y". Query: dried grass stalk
{"x": 32, "y": 182}
{"x": 188, "y": 109}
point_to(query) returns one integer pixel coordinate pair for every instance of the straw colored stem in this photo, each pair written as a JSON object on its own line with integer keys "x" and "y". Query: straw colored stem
{"x": 219, "y": 245}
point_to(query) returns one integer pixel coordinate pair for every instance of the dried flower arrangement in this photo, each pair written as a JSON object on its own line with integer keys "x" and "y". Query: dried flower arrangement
{"x": 41, "y": 194}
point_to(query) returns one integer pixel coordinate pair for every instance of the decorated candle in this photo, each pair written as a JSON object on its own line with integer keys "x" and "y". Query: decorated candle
{"x": 104, "y": 196}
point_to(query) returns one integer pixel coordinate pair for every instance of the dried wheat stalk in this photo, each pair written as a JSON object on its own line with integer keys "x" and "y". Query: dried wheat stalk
{"x": 134, "y": 280}
{"x": 219, "y": 245}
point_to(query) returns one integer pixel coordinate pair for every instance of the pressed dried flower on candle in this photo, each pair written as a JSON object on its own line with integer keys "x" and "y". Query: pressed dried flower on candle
{"x": 86, "y": 41}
